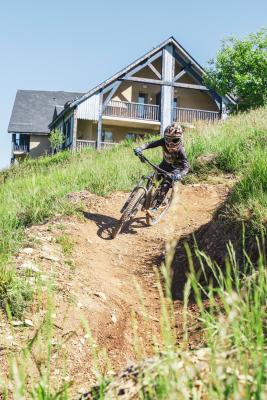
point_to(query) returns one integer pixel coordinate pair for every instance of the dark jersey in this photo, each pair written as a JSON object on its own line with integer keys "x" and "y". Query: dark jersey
{"x": 176, "y": 160}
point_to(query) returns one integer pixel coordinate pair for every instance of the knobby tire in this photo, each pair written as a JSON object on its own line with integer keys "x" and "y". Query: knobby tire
{"x": 126, "y": 215}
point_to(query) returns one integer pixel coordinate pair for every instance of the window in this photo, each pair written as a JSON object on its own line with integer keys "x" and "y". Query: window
{"x": 107, "y": 136}
{"x": 20, "y": 139}
{"x": 68, "y": 131}
{"x": 176, "y": 102}
{"x": 133, "y": 136}
{"x": 142, "y": 98}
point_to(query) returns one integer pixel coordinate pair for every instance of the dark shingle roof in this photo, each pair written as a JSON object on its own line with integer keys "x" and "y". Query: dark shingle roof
{"x": 33, "y": 110}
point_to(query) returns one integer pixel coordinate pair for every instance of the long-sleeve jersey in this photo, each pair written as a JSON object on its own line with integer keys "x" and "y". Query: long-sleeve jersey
{"x": 176, "y": 160}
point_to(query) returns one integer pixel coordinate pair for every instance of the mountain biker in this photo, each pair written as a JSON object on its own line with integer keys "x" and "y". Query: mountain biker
{"x": 174, "y": 156}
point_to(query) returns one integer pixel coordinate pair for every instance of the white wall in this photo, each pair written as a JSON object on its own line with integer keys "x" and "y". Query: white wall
{"x": 89, "y": 109}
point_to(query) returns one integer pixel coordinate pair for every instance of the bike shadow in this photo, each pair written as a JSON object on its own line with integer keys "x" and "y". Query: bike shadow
{"x": 106, "y": 224}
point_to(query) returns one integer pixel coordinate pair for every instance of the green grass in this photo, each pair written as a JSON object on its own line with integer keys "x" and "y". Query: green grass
{"x": 15, "y": 291}
{"x": 232, "y": 142}
{"x": 233, "y": 318}
{"x": 238, "y": 146}
{"x": 66, "y": 243}
{"x": 250, "y": 193}
{"x": 232, "y": 365}
{"x": 37, "y": 189}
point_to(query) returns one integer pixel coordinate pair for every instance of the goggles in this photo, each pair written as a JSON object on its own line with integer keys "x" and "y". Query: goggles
{"x": 172, "y": 140}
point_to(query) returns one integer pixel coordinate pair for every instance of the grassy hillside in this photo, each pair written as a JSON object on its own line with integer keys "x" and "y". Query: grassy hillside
{"x": 238, "y": 146}
{"x": 37, "y": 189}
{"x": 234, "y": 321}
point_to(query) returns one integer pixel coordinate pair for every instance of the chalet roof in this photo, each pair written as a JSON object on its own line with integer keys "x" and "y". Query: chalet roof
{"x": 33, "y": 110}
{"x": 171, "y": 40}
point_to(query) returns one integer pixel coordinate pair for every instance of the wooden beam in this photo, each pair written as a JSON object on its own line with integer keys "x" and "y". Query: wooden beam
{"x": 110, "y": 95}
{"x": 190, "y": 70}
{"x": 109, "y": 87}
{"x": 153, "y": 69}
{"x": 179, "y": 75}
{"x": 166, "y": 83}
{"x": 191, "y": 86}
{"x": 100, "y": 120}
{"x": 144, "y": 80}
{"x": 75, "y": 125}
{"x": 215, "y": 97}
{"x": 143, "y": 65}
{"x": 167, "y": 87}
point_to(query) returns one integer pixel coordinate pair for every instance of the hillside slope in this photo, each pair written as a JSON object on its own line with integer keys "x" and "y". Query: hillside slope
{"x": 76, "y": 305}
{"x": 97, "y": 279}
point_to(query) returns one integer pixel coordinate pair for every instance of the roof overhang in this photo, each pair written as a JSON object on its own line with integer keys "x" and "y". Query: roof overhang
{"x": 29, "y": 133}
{"x": 170, "y": 41}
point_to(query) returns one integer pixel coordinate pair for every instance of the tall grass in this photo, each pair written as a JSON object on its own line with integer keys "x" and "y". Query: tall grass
{"x": 233, "y": 315}
{"x": 231, "y": 364}
{"x": 37, "y": 189}
{"x": 238, "y": 146}
{"x": 250, "y": 193}
{"x": 232, "y": 142}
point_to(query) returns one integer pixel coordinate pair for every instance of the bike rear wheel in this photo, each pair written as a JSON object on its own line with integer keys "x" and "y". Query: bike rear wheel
{"x": 130, "y": 211}
{"x": 154, "y": 216}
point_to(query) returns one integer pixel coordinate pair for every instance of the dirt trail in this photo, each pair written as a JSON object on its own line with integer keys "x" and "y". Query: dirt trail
{"x": 100, "y": 282}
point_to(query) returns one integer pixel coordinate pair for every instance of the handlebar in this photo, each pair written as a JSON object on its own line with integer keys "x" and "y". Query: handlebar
{"x": 158, "y": 169}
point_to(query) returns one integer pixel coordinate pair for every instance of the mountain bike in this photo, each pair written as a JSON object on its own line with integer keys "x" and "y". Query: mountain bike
{"x": 153, "y": 194}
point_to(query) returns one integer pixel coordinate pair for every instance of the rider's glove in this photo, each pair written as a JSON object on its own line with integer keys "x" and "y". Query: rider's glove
{"x": 138, "y": 151}
{"x": 176, "y": 177}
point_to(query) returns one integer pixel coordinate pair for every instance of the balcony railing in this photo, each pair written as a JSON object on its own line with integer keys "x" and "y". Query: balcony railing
{"x": 20, "y": 148}
{"x": 81, "y": 144}
{"x": 189, "y": 115}
{"x": 107, "y": 145}
{"x": 125, "y": 109}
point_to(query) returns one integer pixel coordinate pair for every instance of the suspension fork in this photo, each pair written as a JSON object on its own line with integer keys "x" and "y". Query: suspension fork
{"x": 138, "y": 185}
{"x": 148, "y": 198}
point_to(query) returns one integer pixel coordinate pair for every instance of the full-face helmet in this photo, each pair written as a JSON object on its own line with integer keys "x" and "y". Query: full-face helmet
{"x": 173, "y": 135}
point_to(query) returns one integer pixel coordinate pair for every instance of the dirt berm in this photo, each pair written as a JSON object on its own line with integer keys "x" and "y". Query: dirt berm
{"x": 103, "y": 281}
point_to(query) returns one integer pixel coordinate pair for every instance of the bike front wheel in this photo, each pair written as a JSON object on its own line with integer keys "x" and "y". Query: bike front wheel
{"x": 130, "y": 211}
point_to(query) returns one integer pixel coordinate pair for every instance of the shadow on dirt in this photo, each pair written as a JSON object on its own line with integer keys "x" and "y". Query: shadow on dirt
{"x": 213, "y": 240}
{"x": 106, "y": 224}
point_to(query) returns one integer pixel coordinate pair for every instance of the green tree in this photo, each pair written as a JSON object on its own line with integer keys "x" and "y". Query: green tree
{"x": 56, "y": 139}
{"x": 240, "y": 68}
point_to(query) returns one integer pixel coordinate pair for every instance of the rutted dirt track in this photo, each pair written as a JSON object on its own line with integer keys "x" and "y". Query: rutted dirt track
{"x": 101, "y": 283}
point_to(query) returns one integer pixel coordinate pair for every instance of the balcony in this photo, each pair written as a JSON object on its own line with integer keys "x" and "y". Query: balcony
{"x": 82, "y": 144}
{"x": 150, "y": 112}
{"x": 125, "y": 109}
{"x": 190, "y": 115}
{"x": 20, "y": 149}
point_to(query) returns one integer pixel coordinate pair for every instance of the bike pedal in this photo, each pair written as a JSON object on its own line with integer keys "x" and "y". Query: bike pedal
{"x": 149, "y": 213}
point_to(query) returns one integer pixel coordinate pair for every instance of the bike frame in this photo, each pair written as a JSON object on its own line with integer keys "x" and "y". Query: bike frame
{"x": 146, "y": 186}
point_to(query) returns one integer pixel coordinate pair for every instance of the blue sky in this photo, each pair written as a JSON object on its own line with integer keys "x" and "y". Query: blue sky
{"x": 73, "y": 45}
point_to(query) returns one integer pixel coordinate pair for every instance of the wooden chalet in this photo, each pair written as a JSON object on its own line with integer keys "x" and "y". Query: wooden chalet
{"x": 164, "y": 85}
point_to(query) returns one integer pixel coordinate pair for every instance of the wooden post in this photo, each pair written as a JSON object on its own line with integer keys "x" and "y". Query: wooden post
{"x": 167, "y": 88}
{"x": 100, "y": 121}
{"x": 221, "y": 108}
{"x": 75, "y": 124}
